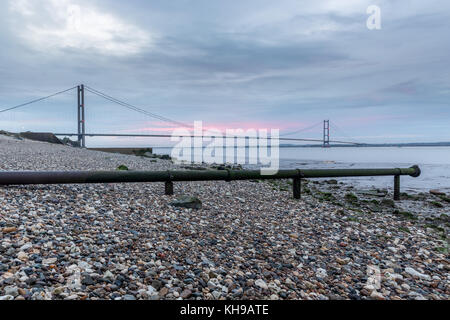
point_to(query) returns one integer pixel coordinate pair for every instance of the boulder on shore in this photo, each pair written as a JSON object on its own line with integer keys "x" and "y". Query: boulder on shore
{"x": 437, "y": 192}
{"x": 187, "y": 202}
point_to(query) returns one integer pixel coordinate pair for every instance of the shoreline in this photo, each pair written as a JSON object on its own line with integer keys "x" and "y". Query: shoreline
{"x": 249, "y": 240}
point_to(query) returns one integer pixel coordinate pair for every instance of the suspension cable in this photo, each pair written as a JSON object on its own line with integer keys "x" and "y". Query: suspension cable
{"x": 134, "y": 108}
{"x": 36, "y": 100}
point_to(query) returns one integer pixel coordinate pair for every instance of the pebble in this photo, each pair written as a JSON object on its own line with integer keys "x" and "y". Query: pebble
{"x": 376, "y": 295}
{"x": 49, "y": 261}
{"x": 151, "y": 291}
{"x": 22, "y": 256}
{"x": 321, "y": 273}
{"x": 108, "y": 275}
{"x": 125, "y": 241}
{"x": 26, "y": 246}
{"x": 186, "y": 294}
{"x": 9, "y": 230}
{"x": 163, "y": 292}
{"x": 262, "y": 284}
{"x": 11, "y": 291}
{"x": 216, "y": 294}
{"x": 437, "y": 192}
{"x": 417, "y": 274}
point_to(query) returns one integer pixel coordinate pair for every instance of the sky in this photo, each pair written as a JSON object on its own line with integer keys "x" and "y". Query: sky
{"x": 232, "y": 64}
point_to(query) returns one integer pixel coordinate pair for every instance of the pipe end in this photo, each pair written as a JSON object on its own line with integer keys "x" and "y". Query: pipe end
{"x": 417, "y": 171}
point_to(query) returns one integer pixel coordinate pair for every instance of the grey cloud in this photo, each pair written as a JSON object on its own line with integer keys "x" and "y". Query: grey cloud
{"x": 253, "y": 60}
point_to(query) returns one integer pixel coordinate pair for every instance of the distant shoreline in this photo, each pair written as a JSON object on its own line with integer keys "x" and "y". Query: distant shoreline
{"x": 374, "y": 145}
{"x": 425, "y": 144}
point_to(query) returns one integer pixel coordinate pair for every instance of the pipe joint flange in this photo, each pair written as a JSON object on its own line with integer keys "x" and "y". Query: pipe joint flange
{"x": 169, "y": 176}
{"x": 228, "y": 179}
{"x": 417, "y": 171}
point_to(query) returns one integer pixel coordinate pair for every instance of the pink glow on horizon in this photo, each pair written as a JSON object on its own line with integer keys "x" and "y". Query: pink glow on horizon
{"x": 284, "y": 126}
{"x": 245, "y": 125}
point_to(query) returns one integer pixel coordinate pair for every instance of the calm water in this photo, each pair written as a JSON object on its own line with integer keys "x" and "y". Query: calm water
{"x": 433, "y": 161}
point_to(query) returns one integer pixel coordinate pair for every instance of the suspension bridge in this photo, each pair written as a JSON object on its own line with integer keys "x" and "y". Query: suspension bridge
{"x": 81, "y": 133}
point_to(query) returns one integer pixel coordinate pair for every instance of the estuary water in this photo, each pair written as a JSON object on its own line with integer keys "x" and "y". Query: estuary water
{"x": 434, "y": 163}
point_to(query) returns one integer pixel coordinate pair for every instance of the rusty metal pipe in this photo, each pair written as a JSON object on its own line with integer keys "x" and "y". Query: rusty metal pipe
{"x": 75, "y": 177}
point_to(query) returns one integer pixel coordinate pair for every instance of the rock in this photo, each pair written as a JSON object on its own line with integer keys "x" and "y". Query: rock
{"x": 341, "y": 261}
{"x": 7, "y": 297}
{"x": 416, "y": 296}
{"x": 187, "y": 202}
{"x": 22, "y": 256}
{"x": 393, "y": 249}
{"x": 240, "y": 199}
{"x": 129, "y": 297}
{"x": 84, "y": 266}
{"x": 9, "y": 230}
{"x": 321, "y": 273}
{"x": 394, "y": 276}
{"x": 437, "y": 192}
{"x": 377, "y": 295}
{"x": 374, "y": 208}
{"x": 388, "y": 203}
{"x": 156, "y": 284}
{"x": 26, "y": 246}
{"x": 87, "y": 280}
{"x": 163, "y": 292}
{"x": 151, "y": 291}
{"x": 373, "y": 193}
{"x": 368, "y": 288}
{"x": 23, "y": 292}
{"x": 57, "y": 291}
{"x": 165, "y": 157}
{"x": 273, "y": 287}
{"x": 262, "y": 284}
{"x": 11, "y": 291}
{"x": 417, "y": 274}
{"x": 108, "y": 275}
{"x": 213, "y": 283}
{"x": 405, "y": 286}
{"x": 49, "y": 261}
{"x": 186, "y": 294}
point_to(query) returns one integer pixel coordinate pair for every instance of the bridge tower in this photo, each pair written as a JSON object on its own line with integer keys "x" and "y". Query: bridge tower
{"x": 81, "y": 117}
{"x": 326, "y": 133}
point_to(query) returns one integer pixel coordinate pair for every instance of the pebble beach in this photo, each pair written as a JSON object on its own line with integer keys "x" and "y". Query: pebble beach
{"x": 250, "y": 239}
